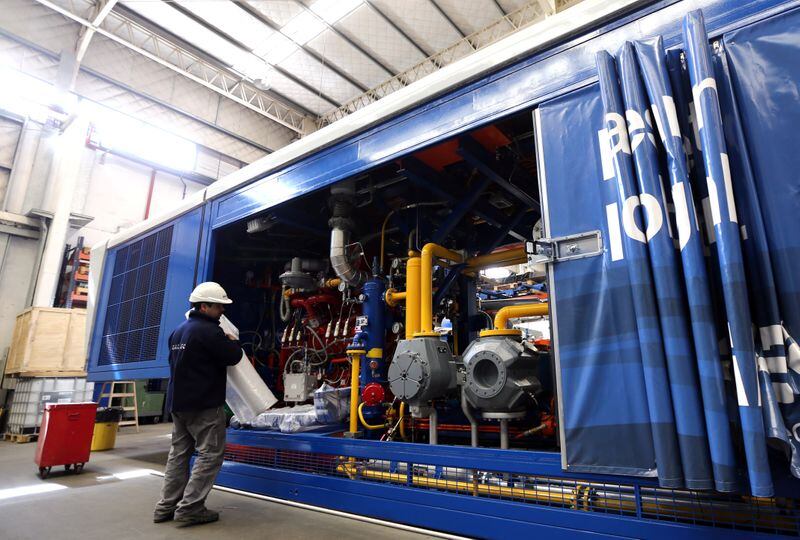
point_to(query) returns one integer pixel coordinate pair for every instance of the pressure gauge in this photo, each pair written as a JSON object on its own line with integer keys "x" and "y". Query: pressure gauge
{"x": 397, "y": 327}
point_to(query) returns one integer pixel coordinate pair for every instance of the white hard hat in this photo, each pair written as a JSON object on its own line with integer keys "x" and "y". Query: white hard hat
{"x": 211, "y": 293}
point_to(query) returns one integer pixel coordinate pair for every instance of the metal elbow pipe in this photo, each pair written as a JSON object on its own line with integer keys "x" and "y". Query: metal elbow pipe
{"x": 519, "y": 310}
{"x": 532, "y": 309}
{"x": 340, "y": 238}
{"x": 429, "y": 251}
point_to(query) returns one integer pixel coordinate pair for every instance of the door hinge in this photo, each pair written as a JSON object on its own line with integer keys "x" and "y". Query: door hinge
{"x": 564, "y": 248}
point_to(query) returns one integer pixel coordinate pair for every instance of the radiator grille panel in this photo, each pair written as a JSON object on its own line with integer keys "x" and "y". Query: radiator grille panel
{"x": 135, "y": 300}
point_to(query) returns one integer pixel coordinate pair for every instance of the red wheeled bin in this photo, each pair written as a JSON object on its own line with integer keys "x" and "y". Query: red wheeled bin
{"x": 65, "y": 437}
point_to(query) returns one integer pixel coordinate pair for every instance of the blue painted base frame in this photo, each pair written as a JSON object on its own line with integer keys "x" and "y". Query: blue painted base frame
{"x": 325, "y": 470}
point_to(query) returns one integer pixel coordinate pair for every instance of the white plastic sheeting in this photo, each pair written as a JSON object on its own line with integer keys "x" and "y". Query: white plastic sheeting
{"x": 246, "y": 394}
{"x": 331, "y": 405}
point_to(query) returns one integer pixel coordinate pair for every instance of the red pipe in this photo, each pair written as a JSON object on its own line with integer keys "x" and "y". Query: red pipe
{"x": 309, "y": 303}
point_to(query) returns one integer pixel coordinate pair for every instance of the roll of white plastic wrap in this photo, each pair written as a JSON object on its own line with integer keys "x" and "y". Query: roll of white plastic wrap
{"x": 246, "y": 394}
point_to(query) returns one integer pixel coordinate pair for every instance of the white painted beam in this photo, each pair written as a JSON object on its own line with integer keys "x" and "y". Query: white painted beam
{"x": 232, "y": 85}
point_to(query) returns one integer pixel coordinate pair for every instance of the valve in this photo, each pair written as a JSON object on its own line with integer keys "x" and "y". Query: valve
{"x": 373, "y": 394}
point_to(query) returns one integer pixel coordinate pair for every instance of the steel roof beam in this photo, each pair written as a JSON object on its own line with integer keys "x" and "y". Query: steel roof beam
{"x": 349, "y": 40}
{"x": 220, "y": 80}
{"x": 507, "y": 230}
{"x": 447, "y": 17}
{"x": 263, "y": 19}
{"x": 176, "y": 40}
{"x": 477, "y": 156}
{"x": 500, "y": 28}
{"x": 238, "y": 44}
{"x": 426, "y": 178}
{"x": 465, "y": 204}
{"x": 399, "y": 30}
{"x": 101, "y": 11}
{"x": 502, "y": 11}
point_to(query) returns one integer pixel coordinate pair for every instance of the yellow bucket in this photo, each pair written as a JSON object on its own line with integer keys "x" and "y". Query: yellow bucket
{"x": 105, "y": 435}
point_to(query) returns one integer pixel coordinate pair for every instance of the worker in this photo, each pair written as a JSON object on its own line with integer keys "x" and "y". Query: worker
{"x": 199, "y": 355}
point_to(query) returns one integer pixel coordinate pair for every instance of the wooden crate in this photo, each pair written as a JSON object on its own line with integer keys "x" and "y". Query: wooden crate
{"x": 48, "y": 342}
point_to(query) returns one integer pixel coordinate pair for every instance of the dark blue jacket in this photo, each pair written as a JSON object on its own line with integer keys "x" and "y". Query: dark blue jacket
{"x": 199, "y": 354}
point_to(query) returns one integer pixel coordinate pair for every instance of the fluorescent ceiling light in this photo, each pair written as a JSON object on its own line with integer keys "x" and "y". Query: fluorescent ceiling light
{"x": 496, "y": 273}
{"x": 333, "y": 10}
{"x": 197, "y": 34}
{"x": 230, "y": 19}
{"x": 118, "y": 132}
{"x": 28, "y": 96}
{"x": 35, "y": 489}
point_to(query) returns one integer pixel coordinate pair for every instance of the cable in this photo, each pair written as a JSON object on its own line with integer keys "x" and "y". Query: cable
{"x": 391, "y": 213}
{"x": 491, "y": 321}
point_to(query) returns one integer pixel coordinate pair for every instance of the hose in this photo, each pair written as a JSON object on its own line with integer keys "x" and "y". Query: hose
{"x": 364, "y": 422}
{"x": 285, "y": 308}
{"x": 391, "y": 213}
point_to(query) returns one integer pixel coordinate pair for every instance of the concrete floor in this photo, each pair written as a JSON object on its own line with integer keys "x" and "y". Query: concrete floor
{"x": 99, "y": 505}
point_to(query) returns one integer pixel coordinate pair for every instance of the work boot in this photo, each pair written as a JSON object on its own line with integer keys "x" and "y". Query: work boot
{"x": 203, "y": 516}
{"x": 162, "y": 517}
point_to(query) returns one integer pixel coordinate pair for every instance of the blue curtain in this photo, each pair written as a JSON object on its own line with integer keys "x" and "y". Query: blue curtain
{"x": 759, "y": 78}
{"x": 672, "y": 438}
{"x": 683, "y": 300}
{"x": 604, "y": 413}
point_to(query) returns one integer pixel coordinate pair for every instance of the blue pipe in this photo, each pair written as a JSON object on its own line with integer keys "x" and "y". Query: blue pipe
{"x": 371, "y": 337}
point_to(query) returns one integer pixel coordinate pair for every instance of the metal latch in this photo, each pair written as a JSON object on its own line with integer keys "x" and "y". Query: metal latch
{"x": 564, "y": 248}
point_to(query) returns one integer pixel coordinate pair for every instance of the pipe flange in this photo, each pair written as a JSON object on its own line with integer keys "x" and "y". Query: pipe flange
{"x": 339, "y": 222}
{"x": 486, "y": 374}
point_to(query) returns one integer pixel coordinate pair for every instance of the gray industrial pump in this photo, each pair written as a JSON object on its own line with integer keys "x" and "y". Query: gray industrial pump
{"x": 500, "y": 374}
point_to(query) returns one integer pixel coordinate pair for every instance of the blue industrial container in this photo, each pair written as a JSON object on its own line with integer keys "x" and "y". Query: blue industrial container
{"x": 603, "y": 481}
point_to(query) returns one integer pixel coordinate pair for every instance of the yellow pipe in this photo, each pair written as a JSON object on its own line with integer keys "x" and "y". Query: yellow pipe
{"x": 531, "y": 309}
{"x": 394, "y": 297}
{"x": 412, "y": 296}
{"x": 355, "y": 357}
{"x": 333, "y": 282}
{"x": 540, "y": 495}
{"x": 500, "y": 258}
{"x": 429, "y": 251}
{"x": 402, "y": 420}
{"x": 580, "y": 498}
{"x": 364, "y": 422}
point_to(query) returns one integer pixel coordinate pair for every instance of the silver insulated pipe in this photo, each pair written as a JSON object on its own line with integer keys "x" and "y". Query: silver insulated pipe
{"x": 341, "y": 203}
{"x": 340, "y": 260}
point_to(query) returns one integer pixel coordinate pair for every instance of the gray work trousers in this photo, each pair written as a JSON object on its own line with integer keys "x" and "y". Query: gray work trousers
{"x": 182, "y": 493}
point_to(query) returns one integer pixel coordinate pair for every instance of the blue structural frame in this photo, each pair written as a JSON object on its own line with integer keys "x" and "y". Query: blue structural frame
{"x": 441, "y": 510}
{"x": 180, "y": 280}
{"x": 563, "y": 67}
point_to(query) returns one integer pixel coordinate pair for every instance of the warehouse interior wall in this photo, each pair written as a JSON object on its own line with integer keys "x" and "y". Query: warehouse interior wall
{"x": 32, "y": 39}
{"x": 108, "y": 190}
